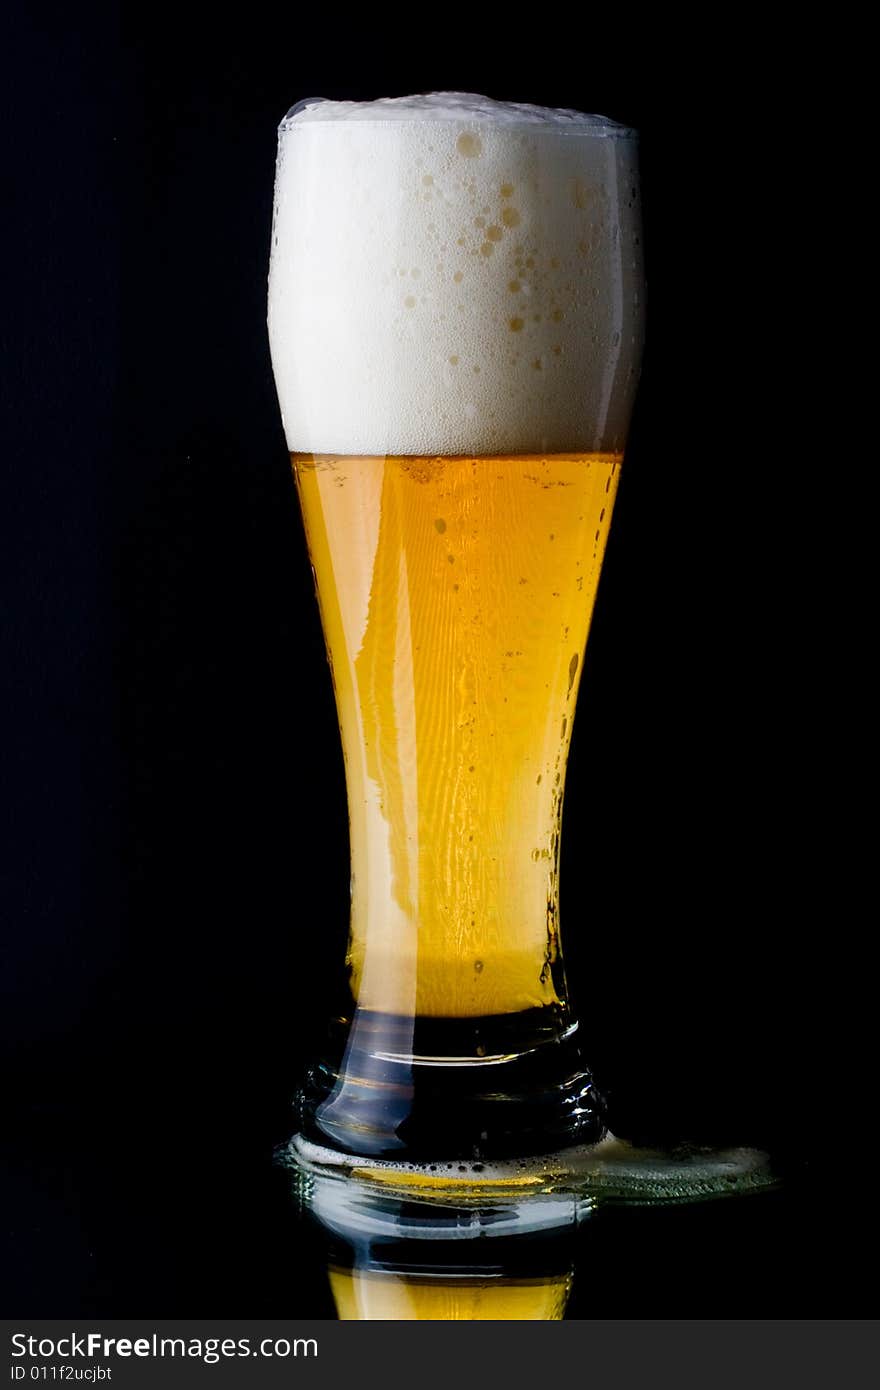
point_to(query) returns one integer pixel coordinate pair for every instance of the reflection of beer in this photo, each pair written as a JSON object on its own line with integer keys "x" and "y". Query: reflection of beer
{"x": 473, "y": 1255}
{"x": 455, "y": 333}
{"x": 455, "y": 595}
{"x": 363, "y": 1296}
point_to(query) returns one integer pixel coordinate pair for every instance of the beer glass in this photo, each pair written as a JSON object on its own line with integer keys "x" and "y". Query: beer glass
{"x": 455, "y": 321}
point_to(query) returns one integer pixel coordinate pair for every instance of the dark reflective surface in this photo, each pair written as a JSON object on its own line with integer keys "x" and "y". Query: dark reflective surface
{"x": 198, "y": 1220}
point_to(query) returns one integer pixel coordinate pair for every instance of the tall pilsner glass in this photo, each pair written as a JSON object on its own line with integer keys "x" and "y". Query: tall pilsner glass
{"x": 455, "y": 323}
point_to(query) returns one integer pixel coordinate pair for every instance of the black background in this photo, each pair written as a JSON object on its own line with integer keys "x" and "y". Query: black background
{"x": 177, "y": 836}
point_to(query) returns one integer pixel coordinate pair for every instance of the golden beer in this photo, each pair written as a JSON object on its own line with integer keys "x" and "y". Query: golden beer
{"x": 456, "y": 596}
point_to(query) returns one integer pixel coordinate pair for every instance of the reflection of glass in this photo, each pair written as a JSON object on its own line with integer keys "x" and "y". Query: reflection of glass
{"x": 455, "y": 328}
{"x": 398, "y": 1258}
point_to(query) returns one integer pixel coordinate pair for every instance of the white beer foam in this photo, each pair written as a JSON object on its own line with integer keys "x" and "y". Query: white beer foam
{"x": 454, "y": 275}
{"x": 448, "y": 106}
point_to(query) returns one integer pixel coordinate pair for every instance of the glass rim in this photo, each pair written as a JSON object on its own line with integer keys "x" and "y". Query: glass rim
{"x": 608, "y": 130}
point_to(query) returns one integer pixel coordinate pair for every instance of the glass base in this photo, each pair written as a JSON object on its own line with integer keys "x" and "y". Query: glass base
{"x": 611, "y": 1171}
{"x": 404, "y": 1089}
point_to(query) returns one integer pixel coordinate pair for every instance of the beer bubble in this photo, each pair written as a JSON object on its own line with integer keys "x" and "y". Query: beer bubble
{"x": 469, "y": 145}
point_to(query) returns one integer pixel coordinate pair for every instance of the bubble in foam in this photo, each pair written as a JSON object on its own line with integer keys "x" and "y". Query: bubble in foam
{"x": 362, "y": 362}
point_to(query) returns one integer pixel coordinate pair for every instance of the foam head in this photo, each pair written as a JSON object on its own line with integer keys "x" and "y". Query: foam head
{"x": 453, "y": 275}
